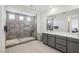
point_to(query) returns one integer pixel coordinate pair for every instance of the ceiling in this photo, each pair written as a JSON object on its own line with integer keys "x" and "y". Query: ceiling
{"x": 39, "y": 7}
{"x": 46, "y": 7}
{"x": 42, "y": 8}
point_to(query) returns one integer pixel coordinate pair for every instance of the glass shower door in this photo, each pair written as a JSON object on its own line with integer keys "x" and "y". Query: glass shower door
{"x": 28, "y": 26}
{"x": 20, "y": 26}
{"x": 13, "y": 26}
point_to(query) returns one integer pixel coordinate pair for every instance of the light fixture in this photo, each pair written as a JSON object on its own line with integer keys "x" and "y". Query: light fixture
{"x": 29, "y": 19}
{"x": 21, "y": 18}
{"x": 69, "y": 18}
{"x": 11, "y": 16}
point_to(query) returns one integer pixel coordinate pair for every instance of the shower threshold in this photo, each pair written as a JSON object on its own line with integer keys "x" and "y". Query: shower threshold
{"x": 14, "y": 42}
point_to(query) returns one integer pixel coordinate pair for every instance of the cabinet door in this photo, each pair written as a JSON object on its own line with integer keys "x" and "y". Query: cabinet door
{"x": 51, "y": 41}
{"x": 61, "y": 48}
{"x": 61, "y": 41}
{"x": 44, "y": 38}
{"x": 73, "y": 47}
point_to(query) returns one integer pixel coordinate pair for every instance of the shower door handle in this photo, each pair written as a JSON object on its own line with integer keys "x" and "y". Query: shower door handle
{"x": 5, "y": 28}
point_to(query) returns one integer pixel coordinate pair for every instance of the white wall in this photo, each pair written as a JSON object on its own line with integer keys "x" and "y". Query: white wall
{"x": 2, "y": 23}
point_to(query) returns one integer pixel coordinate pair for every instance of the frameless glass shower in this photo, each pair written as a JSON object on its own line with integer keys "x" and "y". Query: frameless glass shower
{"x": 20, "y": 26}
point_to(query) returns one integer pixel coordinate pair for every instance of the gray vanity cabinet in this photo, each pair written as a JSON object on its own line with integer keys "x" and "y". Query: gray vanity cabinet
{"x": 73, "y": 45}
{"x": 51, "y": 40}
{"x": 44, "y": 38}
{"x": 61, "y": 43}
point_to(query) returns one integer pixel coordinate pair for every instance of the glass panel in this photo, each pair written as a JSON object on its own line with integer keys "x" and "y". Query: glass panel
{"x": 11, "y": 16}
{"x": 74, "y": 24}
{"x": 19, "y": 29}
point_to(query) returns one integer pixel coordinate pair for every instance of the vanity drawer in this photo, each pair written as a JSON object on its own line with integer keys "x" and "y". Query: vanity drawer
{"x": 74, "y": 40}
{"x": 61, "y": 37}
{"x": 61, "y": 48}
{"x": 51, "y": 41}
{"x": 51, "y": 35}
{"x": 61, "y": 41}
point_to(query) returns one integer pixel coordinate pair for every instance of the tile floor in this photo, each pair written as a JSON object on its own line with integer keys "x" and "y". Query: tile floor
{"x": 31, "y": 47}
{"x": 11, "y": 42}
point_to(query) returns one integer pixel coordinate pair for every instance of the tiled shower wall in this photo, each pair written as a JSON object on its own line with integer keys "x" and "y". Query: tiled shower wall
{"x": 20, "y": 28}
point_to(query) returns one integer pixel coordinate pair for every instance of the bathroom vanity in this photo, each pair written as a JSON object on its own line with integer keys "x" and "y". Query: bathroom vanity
{"x": 62, "y": 41}
{"x": 63, "y": 31}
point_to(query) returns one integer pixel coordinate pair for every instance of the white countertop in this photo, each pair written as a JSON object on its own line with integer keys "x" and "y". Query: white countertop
{"x": 66, "y": 34}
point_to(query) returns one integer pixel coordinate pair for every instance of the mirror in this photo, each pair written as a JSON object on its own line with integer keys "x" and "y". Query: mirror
{"x": 59, "y": 22}
{"x": 65, "y": 22}
{"x": 50, "y": 24}
{"x": 74, "y": 24}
